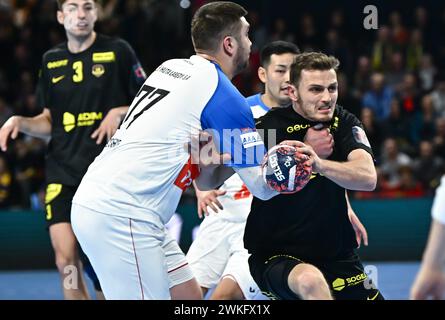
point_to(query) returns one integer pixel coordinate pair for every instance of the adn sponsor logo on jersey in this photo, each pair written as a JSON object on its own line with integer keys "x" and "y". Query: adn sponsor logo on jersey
{"x": 84, "y": 119}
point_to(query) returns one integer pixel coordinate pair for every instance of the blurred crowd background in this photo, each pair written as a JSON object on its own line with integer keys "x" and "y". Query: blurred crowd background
{"x": 392, "y": 78}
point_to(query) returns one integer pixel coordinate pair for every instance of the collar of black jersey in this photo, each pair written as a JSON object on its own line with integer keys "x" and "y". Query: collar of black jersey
{"x": 288, "y": 113}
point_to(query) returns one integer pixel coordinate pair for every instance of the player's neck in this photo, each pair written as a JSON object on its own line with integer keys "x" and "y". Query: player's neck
{"x": 224, "y": 66}
{"x": 269, "y": 102}
{"x": 76, "y": 44}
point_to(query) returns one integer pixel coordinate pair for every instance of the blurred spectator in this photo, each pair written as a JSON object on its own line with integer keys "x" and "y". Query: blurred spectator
{"x": 258, "y": 32}
{"x": 29, "y": 168}
{"x": 439, "y": 138}
{"x": 5, "y": 184}
{"x": 383, "y": 49}
{"x": 374, "y": 131}
{"x": 414, "y": 50}
{"x": 400, "y": 34}
{"x": 379, "y": 97}
{"x": 345, "y": 96}
{"x": 427, "y": 72}
{"x": 362, "y": 76}
{"x": 438, "y": 96}
{"x": 409, "y": 95}
{"x": 391, "y": 162}
{"x": 423, "y": 123}
{"x": 307, "y": 36}
{"x": 280, "y": 31}
{"x": 423, "y": 24}
{"x": 337, "y": 47}
{"x": 428, "y": 167}
{"x": 396, "y": 72}
{"x": 397, "y": 126}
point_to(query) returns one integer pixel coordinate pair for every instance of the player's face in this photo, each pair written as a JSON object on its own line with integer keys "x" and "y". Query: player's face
{"x": 241, "y": 59}
{"x": 316, "y": 95}
{"x": 78, "y": 17}
{"x": 276, "y": 78}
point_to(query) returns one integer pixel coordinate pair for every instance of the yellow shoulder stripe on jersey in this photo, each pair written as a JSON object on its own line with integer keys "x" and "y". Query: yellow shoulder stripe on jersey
{"x": 52, "y": 191}
{"x": 104, "y": 56}
{"x": 57, "y": 64}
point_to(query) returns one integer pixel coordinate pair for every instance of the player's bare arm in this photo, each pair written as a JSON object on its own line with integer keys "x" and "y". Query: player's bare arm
{"x": 430, "y": 281}
{"x": 38, "y": 126}
{"x": 357, "y": 173}
{"x": 109, "y": 124}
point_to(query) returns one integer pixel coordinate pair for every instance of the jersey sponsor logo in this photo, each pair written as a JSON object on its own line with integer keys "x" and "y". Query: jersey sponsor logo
{"x": 187, "y": 174}
{"x": 98, "y": 70}
{"x": 84, "y": 119}
{"x": 69, "y": 121}
{"x": 57, "y": 79}
{"x": 251, "y": 139}
{"x": 57, "y": 64}
{"x": 339, "y": 283}
{"x": 104, "y": 56}
{"x": 360, "y": 136}
{"x": 297, "y": 127}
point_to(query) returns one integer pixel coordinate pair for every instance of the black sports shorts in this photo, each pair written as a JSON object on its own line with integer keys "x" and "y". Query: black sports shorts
{"x": 346, "y": 278}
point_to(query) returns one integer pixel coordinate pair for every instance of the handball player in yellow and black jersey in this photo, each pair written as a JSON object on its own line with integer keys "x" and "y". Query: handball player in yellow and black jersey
{"x": 85, "y": 87}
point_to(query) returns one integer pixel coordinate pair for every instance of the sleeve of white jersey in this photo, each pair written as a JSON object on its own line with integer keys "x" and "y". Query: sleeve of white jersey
{"x": 438, "y": 210}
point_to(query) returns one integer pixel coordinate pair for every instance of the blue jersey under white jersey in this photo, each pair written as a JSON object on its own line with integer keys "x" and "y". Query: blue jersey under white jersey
{"x": 144, "y": 168}
{"x": 237, "y": 199}
{"x": 257, "y": 105}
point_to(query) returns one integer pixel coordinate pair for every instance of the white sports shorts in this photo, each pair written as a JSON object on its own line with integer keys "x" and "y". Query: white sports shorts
{"x": 218, "y": 251}
{"x": 133, "y": 259}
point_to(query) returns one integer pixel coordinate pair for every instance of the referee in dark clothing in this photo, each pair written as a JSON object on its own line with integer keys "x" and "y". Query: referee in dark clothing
{"x": 303, "y": 245}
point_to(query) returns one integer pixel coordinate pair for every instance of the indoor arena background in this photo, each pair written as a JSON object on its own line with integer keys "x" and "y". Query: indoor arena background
{"x": 407, "y": 48}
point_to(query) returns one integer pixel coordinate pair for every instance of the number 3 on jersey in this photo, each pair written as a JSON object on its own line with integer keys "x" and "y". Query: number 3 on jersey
{"x": 150, "y": 96}
{"x": 78, "y": 71}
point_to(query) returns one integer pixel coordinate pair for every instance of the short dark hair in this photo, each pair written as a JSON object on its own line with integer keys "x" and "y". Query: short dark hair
{"x": 213, "y": 21}
{"x": 61, "y": 2}
{"x": 276, "y": 47}
{"x": 311, "y": 61}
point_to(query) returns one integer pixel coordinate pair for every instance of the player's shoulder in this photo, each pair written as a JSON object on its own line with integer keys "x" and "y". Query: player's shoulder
{"x": 276, "y": 116}
{"x": 344, "y": 115}
{"x": 112, "y": 43}
{"x": 56, "y": 51}
{"x": 253, "y": 99}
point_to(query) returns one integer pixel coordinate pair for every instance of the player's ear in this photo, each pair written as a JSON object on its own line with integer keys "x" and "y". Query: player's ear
{"x": 292, "y": 92}
{"x": 229, "y": 45}
{"x": 60, "y": 17}
{"x": 262, "y": 74}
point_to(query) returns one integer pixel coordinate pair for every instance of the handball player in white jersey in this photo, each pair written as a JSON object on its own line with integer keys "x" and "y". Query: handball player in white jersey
{"x": 133, "y": 187}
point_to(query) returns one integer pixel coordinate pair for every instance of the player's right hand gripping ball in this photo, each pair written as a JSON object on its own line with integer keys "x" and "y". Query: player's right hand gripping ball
{"x": 285, "y": 170}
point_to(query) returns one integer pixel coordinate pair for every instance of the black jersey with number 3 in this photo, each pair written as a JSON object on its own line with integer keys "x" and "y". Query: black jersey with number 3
{"x": 313, "y": 223}
{"x": 79, "y": 89}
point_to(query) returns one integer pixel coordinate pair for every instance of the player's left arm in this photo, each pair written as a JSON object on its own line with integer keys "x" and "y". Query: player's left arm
{"x": 359, "y": 228}
{"x": 357, "y": 173}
